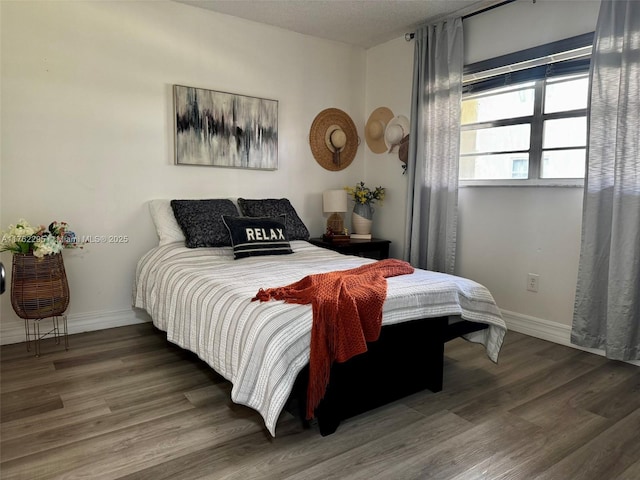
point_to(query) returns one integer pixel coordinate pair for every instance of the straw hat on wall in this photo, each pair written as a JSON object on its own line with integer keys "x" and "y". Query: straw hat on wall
{"x": 396, "y": 130}
{"x": 333, "y": 139}
{"x": 374, "y": 130}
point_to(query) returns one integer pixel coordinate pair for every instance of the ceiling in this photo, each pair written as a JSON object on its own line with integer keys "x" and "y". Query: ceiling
{"x": 364, "y": 23}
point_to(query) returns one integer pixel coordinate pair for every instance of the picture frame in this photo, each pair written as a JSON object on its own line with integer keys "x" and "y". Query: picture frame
{"x": 221, "y": 129}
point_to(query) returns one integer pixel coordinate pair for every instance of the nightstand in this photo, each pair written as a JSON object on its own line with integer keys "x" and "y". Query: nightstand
{"x": 375, "y": 248}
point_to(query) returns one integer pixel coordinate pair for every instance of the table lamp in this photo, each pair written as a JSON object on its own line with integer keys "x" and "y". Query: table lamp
{"x": 335, "y": 203}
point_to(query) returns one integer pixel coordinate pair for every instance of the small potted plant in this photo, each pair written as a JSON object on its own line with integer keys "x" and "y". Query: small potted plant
{"x": 364, "y": 197}
{"x": 39, "y": 285}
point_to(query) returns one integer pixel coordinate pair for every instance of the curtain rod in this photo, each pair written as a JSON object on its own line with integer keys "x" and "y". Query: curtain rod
{"x": 409, "y": 36}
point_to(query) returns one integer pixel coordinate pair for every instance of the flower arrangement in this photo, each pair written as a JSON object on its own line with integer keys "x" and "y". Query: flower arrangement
{"x": 364, "y": 195}
{"x": 41, "y": 241}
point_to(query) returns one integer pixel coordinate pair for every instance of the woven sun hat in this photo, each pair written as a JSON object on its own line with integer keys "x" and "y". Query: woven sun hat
{"x": 333, "y": 139}
{"x": 374, "y": 130}
{"x": 396, "y": 130}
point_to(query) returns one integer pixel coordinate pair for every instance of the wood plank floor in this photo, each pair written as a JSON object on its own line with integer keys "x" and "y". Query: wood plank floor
{"x": 124, "y": 404}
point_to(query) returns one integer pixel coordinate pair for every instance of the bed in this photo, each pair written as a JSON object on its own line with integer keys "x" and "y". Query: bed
{"x": 201, "y": 298}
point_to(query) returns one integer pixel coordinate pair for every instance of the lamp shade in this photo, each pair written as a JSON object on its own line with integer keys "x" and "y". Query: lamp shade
{"x": 334, "y": 201}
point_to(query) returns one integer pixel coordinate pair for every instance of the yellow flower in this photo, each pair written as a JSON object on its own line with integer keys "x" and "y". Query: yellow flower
{"x": 364, "y": 195}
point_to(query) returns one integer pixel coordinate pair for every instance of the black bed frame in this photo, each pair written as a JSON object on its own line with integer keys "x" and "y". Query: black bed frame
{"x": 407, "y": 358}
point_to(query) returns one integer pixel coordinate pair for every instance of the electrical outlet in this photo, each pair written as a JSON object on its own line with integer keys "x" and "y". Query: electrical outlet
{"x": 532, "y": 282}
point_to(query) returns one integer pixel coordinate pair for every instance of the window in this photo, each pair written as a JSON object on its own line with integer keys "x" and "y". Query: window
{"x": 527, "y": 124}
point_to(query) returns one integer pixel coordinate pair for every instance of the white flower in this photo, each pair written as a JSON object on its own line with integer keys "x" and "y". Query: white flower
{"x": 21, "y": 231}
{"x": 54, "y": 243}
{"x": 47, "y": 246}
{"x": 40, "y": 249}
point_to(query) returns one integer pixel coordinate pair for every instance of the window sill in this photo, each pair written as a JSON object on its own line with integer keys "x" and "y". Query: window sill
{"x": 551, "y": 182}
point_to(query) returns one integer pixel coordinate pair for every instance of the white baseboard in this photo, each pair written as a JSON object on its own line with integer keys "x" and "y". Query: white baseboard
{"x": 546, "y": 330}
{"x": 88, "y": 322}
{"x": 83, "y": 322}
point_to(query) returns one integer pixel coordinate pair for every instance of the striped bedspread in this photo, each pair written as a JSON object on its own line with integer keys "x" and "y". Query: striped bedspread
{"x": 201, "y": 298}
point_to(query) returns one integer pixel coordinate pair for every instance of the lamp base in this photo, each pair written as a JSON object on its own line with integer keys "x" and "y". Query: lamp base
{"x": 335, "y": 223}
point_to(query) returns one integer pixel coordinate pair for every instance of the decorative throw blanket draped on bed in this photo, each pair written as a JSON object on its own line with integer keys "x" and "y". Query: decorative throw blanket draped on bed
{"x": 347, "y": 313}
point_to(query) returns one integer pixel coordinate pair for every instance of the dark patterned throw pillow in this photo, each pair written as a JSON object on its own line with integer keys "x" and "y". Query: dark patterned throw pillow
{"x": 272, "y": 207}
{"x": 201, "y": 221}
{"x": 255, "y": 236}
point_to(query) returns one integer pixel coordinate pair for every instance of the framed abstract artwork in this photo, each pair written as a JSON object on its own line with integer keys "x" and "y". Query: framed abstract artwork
{"x": 224, "y": 129}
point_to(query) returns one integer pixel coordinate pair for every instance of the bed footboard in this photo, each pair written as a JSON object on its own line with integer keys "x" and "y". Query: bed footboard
{"x": 407, "y": 358}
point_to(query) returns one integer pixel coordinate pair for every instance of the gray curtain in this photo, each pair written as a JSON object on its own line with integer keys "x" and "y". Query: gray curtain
{"x": 434, "y": 147}
{"x": 607, "y": 308}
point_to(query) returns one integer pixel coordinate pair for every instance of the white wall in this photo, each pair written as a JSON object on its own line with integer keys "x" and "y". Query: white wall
{"x": 525, "y": 24}
{"x": 504, "y": 233}
{"x": 87, "y": 127}
{"x": 389, "y": 79}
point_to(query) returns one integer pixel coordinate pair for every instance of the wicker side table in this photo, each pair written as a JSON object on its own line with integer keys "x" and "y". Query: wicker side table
{"x": 39, "y": 290}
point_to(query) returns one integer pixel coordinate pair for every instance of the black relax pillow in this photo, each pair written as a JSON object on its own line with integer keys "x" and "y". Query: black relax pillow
{"x": 201, "y": 221}
{"x": 273, "y": 207}
{"x": 252, "y": 237}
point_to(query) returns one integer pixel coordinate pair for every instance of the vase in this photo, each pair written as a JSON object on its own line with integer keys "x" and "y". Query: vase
{"x": 39, "y": 287}
{"x": 362, "y": 218}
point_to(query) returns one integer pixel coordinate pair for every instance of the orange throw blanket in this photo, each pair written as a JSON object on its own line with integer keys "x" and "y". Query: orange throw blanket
{"x": 347, "y": 313}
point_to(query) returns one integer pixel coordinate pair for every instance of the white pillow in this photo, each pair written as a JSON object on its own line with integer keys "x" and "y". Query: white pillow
{"x": 166, "y": 225}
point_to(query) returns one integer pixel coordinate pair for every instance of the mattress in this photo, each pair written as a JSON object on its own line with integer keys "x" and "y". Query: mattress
{"x": 202, "y": 299}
